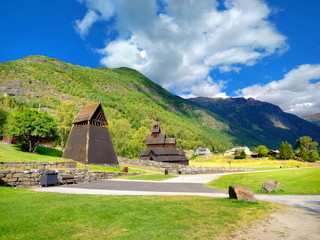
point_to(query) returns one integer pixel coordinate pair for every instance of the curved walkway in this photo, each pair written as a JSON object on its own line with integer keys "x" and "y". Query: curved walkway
{"x": 181, "y": 185}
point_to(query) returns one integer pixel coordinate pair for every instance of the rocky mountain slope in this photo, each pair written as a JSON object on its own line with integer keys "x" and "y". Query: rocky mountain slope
{"x": 262, "y": 122}
{"x": 314, "y": 118}
{"x": 126, "y": 93}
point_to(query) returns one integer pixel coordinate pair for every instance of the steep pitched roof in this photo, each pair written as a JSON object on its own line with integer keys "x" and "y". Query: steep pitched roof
{"x": 161, "y": 139}
{"x": 86, "y": 112}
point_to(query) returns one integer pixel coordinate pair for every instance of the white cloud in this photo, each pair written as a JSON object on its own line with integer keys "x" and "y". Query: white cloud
{"x": 98, "y": 10}
{"x": 82, "y": 27}
{"x": 207, "y": 89}
{"x": 180, "y": 46}
{"x": 123, "y": 53}
{"x": 296, "y": 93}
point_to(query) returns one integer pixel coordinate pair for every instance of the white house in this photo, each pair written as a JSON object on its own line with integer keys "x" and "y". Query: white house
{"x": 202, "y": 150}
{"x": 232, "y": 151}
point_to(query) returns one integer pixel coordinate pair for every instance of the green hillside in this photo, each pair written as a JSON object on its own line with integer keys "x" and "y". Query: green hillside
{"x": 131, "y": 100}
{"x": 125, "y": 94}
{"x": 262, "y": 122}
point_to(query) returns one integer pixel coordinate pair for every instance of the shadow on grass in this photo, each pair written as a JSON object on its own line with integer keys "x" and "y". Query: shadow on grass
{"x": 42, "y": 151}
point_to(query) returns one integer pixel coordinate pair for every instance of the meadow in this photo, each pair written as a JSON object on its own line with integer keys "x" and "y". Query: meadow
{"x": 34, "y": 215}
{"x": 215, "y": 160}
{"x": 293, "y": 181}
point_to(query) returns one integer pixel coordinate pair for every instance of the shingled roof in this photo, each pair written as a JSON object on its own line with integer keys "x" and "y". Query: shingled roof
{"x": 87, "y": 112}
{"x": 162, "y": 149}
{"x": 89, "y": 140}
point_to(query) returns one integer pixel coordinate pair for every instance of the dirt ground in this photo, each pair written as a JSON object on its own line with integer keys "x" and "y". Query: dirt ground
{"x": 289, "y": 223}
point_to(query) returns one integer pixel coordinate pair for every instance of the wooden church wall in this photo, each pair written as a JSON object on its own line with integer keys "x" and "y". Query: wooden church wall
{"x": 76, "y": 144}
{"x": 100, "y": 147}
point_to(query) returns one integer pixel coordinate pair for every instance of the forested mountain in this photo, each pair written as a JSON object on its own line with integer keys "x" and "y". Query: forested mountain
{"x": 124, "y": 93}
{"x": 263, "y": 122}
{"x": 314, "y": 118}
{"x": 131, "y": 100}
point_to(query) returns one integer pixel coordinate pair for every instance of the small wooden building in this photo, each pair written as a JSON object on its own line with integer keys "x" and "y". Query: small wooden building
{"x": 162, "y": 149}
{"x": 89, "y": 140}
{"x": 273, "y": 153}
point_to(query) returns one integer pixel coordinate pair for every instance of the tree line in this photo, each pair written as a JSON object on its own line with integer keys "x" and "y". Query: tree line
{"x": 306, "y": 150}
{"x": 31, "y": 127}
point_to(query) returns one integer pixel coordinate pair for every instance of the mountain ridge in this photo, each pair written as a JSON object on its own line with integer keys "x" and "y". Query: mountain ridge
{"x": 126, "y": 93}
{"x": 260, "y": 117}
{"x": 313, "y": 118}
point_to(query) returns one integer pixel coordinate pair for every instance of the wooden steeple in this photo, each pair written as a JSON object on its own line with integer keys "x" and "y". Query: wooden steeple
{"x": 89, "y": 140}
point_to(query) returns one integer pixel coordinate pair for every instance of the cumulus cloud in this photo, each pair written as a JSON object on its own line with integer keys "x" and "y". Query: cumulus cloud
{"x": 179, "y": 45}
{"x": 207, "y": 88}
{"x": 298, "y": 92}
{"x": 98, "y": 10}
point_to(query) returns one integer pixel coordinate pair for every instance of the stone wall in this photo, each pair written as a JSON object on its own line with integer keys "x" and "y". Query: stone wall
{"x": 29, "y": 174}
{"x": 37, "y": 165}
{"x": 175, "y": 168}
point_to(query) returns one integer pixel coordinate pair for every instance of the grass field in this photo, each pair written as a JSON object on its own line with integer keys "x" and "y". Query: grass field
{"x": 293, "y": 181}
{"x": 149, "y": 177}
{"x": 32, "y": 215}
{"x": 260, "y": 163}
{"x": 146, "y": 168}
{"x": 13, "y": 153}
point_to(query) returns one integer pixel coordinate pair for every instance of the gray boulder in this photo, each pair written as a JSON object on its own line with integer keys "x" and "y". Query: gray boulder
{"x": 271, "y": 185}
{"x": 241, "y": 193}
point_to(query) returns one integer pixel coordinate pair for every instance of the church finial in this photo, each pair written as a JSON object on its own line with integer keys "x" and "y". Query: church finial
{"x": 155, "y": 117}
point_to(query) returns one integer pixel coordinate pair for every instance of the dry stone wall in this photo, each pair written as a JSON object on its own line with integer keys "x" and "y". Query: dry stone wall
{"x": 37, "y": 165}
{"x": 179, "y": 168}
{"x": 28, "y": 174}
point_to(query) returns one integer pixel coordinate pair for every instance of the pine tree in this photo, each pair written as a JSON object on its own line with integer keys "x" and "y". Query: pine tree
{"x": 286, "y": 151}
{"x": 283, "y": 151}
{"x": 289, "y": 150}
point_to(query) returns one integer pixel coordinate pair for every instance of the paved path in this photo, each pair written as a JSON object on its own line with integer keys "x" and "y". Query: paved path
{"x": 181, "y": 185}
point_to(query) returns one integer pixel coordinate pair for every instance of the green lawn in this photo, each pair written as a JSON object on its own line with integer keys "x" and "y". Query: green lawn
{"x": 97, "y": 168}
{"x": 293, "y": 181}
{"x": 32, "y": 215}
{"x": 13, "y": 153}
{"x": 144, "y": 168}
{"x": 149, "y": 177}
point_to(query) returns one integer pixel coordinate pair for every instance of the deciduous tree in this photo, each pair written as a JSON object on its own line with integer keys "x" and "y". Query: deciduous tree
{"x": 31, "y": 127}
{"x": 307, "y": 149}
{"x": 3, "y": 119}
{"x": 65, "y": 115}
{"x": 138, "y": 142}
{"x": 263, "y": 151}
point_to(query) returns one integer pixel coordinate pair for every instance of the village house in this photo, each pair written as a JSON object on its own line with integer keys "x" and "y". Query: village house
{"x": 202, "y": 150}
{"x": 273, "y": 153}
{"x": 233, "y": 151}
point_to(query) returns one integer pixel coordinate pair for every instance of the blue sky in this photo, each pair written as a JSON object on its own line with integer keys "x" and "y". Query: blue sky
{"x": 268, "y": 50}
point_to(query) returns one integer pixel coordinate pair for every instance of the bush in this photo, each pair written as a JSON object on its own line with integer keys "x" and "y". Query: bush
{"x": 242, "y": 155}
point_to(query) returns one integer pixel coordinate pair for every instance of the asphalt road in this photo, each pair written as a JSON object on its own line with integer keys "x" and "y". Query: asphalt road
{"x": 149, "y": 186}
{"x": 182, "y": 185}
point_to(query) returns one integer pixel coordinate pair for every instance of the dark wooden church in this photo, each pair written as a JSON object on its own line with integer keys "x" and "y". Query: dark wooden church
{"x": 162, "y": 149}
{"x": 89, "y": 140}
